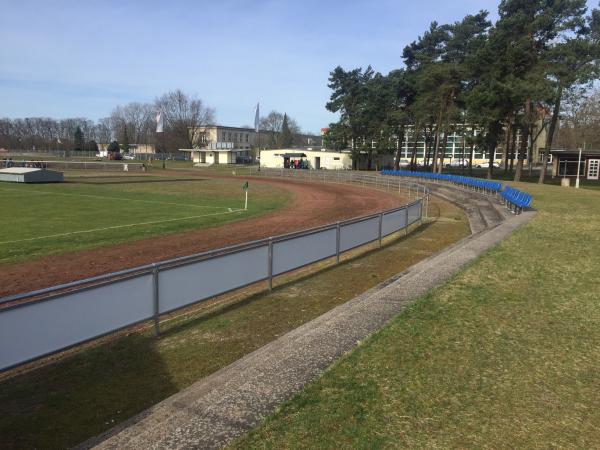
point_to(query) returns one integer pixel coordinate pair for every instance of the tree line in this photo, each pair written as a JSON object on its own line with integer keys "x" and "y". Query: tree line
{"x": 490, "y": 82}
{"x": 133, "y": 123}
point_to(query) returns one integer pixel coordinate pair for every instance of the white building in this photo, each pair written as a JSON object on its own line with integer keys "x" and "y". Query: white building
{"x": 306, "y": 159}
{"x": 217, "y": 144}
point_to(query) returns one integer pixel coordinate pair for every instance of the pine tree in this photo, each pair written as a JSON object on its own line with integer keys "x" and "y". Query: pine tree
{"x": 125, "y": 144}
{"x": 285, "y": 138}
{"x": 78, "y": 139}
{"x": 113, "y": 147}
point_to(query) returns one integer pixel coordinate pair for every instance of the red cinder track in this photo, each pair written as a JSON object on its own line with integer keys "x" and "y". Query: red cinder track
{"x": 313, "y": 205}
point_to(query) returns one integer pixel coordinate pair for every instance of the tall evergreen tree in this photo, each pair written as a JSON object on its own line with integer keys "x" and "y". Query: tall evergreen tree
{"x": 125, "y": 140}
{"x": 78, "y": 140}
{"x": 285, "y": 138}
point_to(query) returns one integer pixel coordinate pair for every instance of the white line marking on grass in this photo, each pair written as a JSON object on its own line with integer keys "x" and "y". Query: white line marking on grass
{"x": 112, "y": 198}
{"x": 120, "y": 226}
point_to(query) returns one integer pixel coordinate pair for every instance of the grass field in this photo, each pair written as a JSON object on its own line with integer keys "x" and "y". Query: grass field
{"x": 505, "y": 355}
{"x": 62, "y": 404}
{"x": 105, "y": 209}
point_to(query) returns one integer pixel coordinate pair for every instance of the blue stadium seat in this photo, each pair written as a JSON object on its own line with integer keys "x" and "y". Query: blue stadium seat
{"x": 515, "y": 200}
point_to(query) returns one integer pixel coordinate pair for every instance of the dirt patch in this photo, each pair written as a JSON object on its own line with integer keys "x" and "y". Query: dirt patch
{"x": 313, "y": 205}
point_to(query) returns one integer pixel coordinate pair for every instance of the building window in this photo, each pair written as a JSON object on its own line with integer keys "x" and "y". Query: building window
{"x": 336, "y": 159}
{"x": 223, "y": 138}
{"x": 247, "y": 137}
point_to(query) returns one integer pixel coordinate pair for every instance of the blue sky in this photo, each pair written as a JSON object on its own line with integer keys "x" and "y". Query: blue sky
{"x": 82, "y": 58}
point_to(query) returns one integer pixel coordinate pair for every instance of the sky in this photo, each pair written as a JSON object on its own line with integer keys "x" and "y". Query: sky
{"x": 82, "y": 58}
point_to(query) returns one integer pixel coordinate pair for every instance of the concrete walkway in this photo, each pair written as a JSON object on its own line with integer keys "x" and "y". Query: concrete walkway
{"x": 226, "y": 404}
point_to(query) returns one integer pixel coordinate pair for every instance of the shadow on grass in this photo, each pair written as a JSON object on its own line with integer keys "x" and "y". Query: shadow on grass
{"x": 112, "y": 388}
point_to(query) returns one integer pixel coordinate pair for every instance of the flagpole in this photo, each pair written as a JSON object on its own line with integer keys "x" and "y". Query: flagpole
{"x": 257, "y": 129}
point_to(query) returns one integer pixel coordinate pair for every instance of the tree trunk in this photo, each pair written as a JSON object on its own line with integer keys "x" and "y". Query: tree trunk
{"x": 435, "y": 151}
{"x": 441, "y": 165}
{"x": 464, "y": 147}
{"x": 553, "y": 123}
{"x": 413, "y": 157}
{"x": 471, "y": 154}
{"x": 524, "y": 141}
{"x": 505, "y": 153}
{"x": 399, "y": 147}
{"x": 436, "y": 143}
{"x": 530, "y": 158}
{"x": 513, "y": 146}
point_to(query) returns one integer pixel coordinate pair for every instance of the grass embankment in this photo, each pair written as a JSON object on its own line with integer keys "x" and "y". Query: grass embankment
{"x": 505, "y": 355}
{"x": 93, "y": 211}
{"x": 62, "y": 404}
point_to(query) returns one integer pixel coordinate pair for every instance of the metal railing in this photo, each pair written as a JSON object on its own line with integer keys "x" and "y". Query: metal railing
{"x": 46, "y": 321}
{"x": 373, "y": 180}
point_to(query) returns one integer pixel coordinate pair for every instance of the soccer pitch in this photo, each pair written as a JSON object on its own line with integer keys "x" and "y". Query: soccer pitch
{"x": 106, "y": 209}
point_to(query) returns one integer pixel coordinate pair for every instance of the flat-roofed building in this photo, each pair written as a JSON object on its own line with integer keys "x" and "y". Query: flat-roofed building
{"x": 290, "y": 158}
{"x": 565, "y": 164}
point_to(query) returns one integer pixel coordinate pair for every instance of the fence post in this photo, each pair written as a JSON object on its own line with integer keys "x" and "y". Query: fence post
{"x": 406, "y": 221}
{"x": 270, "y": 264}
{"x": 380, "y": 228}
{"x": 156, "y": 300}
{"x": 338, "y": 233}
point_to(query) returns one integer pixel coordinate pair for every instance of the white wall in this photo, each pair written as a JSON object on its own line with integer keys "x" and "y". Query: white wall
{"x": 329, "y": 160}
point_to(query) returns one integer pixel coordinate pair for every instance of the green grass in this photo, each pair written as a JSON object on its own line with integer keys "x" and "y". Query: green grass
{"x": 505, "y": 355}
{"x": 79, "y": 396}
{"x": 40, "y": 220}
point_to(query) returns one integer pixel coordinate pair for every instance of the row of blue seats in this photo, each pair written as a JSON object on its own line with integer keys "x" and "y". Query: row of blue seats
{"x": 517, "y": 199}
{"x": 477, "y": 183}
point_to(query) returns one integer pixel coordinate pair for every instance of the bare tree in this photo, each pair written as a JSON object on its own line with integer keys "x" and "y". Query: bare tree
{"x": 183, "y": 113}
{"x": 272, "y": 125}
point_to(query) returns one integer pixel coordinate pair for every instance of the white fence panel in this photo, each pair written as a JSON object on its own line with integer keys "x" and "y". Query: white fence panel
{"x": 300, "y": 251}
{"x": 393, "y": 222}
{"x": 183, "y": 285}
{"x": 39, "y": 328}
{"x": 359, "y": 233}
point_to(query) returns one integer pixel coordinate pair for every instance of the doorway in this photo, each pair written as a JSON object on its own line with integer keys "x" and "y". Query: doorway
{"x": 317, "y": 163}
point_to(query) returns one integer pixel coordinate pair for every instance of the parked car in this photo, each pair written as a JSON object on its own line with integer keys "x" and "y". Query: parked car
{"x": 404, "y": 163}
{"x": 458, "y": 163}
{"x": 485, "y": 165}
{"x": 128, "y": 156}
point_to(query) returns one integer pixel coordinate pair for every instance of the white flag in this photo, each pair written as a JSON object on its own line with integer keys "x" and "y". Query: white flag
{"x": 256, "y": 118}
{"x": 159, "y": 121}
